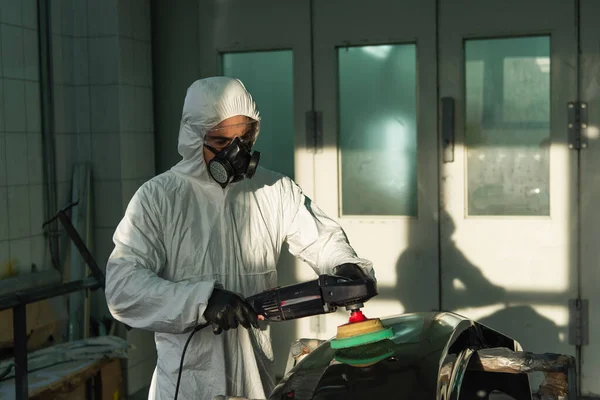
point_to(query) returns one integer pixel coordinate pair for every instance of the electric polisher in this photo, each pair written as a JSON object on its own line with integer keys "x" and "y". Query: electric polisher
{"x": 360, "y": 342}
{"x": 321, "y": 296}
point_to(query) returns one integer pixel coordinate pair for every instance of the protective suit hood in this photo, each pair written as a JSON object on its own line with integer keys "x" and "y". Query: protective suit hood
{"x": 209, "y": 102}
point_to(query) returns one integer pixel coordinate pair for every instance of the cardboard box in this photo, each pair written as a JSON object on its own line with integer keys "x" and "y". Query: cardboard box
{"x": 111, "y": 377}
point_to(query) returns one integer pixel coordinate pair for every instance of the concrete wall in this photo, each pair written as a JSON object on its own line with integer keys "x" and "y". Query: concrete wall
{"x": 176, "y": 65}
{"x": 21, "y": 174}
{"x": 103, "y": 114}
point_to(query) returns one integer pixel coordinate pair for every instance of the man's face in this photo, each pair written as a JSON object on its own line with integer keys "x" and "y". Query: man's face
{"x": 221, "y": 135}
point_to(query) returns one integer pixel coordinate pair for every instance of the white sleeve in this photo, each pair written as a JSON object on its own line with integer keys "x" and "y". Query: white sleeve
{"x": 317, "y": 239}
{"x": 135, "y": 293}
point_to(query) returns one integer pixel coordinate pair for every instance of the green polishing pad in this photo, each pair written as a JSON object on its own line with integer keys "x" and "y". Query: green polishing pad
{"x": 365, "y": 355}
{"x": 363, "y": 339}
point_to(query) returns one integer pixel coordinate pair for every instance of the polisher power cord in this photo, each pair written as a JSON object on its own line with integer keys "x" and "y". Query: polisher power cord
{"x": 196, "y": 329}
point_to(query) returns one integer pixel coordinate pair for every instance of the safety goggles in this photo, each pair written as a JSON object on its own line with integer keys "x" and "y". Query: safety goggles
{"x": 219, "y": 138}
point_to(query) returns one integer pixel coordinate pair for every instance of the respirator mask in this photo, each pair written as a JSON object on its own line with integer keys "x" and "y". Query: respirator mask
{"x": 234, "y": 159}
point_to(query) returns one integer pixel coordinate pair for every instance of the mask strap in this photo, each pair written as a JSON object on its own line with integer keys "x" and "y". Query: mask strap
{"x": 212, "y": 149}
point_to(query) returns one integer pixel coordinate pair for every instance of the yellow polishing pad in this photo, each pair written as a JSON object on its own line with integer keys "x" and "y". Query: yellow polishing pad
{"x": 359, "y": 328}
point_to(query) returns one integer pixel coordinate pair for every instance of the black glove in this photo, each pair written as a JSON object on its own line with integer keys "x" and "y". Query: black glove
{"x": 226, "y": 310}
{"x": 350, "y": 271}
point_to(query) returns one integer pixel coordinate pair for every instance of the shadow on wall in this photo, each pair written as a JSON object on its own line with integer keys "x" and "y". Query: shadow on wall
{"x": 521, "y": 322}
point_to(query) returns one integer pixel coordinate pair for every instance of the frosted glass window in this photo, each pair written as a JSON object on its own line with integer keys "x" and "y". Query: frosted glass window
{"x": 268, "y": 75}
{"x": 508, "y": 126}
{"x": 378, "y": 130}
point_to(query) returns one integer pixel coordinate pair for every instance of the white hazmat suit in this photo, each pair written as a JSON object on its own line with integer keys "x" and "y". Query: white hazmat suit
{"x": 182, "y": 234}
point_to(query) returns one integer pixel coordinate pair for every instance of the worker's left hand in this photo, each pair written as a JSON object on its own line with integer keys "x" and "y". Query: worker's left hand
{"x": 350, "y": 271}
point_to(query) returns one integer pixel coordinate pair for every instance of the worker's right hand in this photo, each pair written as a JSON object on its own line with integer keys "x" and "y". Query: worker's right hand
{"x": 350, "y": 271}
{"x": 226, "y": 310}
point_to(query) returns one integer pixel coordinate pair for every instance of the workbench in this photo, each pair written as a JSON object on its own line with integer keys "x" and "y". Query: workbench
{"x": 79, "y": 379}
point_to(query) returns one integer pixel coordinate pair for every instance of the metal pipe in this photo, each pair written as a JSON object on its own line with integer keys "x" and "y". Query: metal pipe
{"x": 61, "y": 215}
{"x": 20, "y": 342}
{"x": 33, "y": 295}
{"x": 47, "y": 121}
{"x": 578, "y": 188}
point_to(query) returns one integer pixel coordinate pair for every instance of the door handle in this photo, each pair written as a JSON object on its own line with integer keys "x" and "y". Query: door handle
{"x": 448, "y": 129}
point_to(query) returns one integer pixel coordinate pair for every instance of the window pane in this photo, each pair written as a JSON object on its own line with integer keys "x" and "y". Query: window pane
{"x": 378, "y": 130}
{"x": 268, "y": 75}
{"x": 508, "y": 126}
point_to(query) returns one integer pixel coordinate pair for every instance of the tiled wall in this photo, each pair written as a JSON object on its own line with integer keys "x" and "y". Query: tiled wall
{"x": 21, "y": 174}
{"x": 103, "y": 114}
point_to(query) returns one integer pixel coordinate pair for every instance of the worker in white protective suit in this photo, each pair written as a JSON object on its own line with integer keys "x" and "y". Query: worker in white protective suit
{"x": 198, "y": 239}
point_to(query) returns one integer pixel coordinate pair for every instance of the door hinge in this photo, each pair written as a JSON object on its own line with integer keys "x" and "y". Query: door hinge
{"x": 314, "y": 131}
{"x": 578, "y": 322}
{"x": 577, "y": 118}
